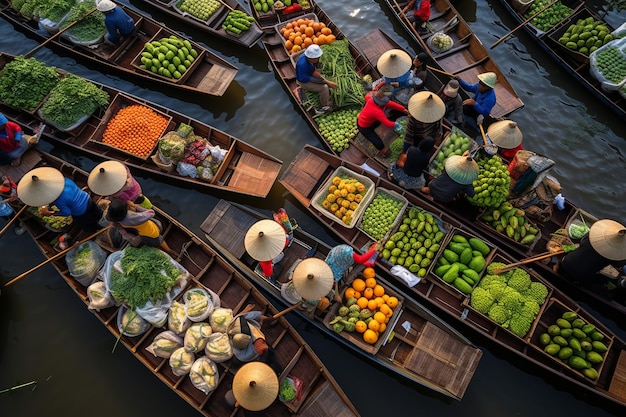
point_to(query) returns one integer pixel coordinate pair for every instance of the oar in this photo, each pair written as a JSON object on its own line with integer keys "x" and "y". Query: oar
{"x": 6, "y": 227}
{"x": 287, "y": 310}
{"x": 523, "y": 23}
{"x": 527, "y": 261}
{"x": 55, "y": 257}
{"x": 227, "y": 5}
{"x": 440, "y": 71}
{"x": 56, "y": 35}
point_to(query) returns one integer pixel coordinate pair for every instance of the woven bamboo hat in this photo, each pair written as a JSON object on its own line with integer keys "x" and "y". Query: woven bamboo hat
{"x": 107, "y": 178}
{"x": 105, "y": 5}
{"x": 255, "y": 386}
{"x": 608, "y": 238}
{"x": 426, "y": 107}
{"x": 462, "y": 168}
{"x": 394, "y": 63}
{"x": 312, "y": 278}
{"x": 488, "y": 78}
{"x": 265, "y": 240}
{"x": 505, "y": 133}
{"x": 41, "y": 186}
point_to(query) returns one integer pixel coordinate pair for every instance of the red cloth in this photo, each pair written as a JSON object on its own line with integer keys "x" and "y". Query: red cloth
{"x": 423, "y": 11}
{"x": 267, "y": 267}
{"x": 7, "y": 137}
{"x": 372, "y": 112}
{"x": 362, "y": 259}
{"x": 509, "y": 154}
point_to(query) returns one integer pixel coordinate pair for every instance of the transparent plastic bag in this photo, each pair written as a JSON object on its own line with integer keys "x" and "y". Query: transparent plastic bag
{"x": 164, "y": 344}
{"x": 84, "y": 261}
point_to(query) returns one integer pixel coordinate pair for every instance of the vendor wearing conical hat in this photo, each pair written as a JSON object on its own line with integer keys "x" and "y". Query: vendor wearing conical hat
{"x": 396, "y": 68}
{"x": 484, "y": 97}
{"x": 426, "y": 111}
{"x": 248, "y": 340}
{"x": 113, "y": 179}
{"x": 46, "y": 187}
{"x": 507, "y": 136}
{"x": 459, "y": 173}
{"x": 604, "y": 245}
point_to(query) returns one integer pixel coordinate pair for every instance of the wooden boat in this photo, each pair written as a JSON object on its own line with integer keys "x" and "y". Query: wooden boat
{"x": 321, "y": 395}
{"x": 573, "y": 62}
{"x": 467, "y": 58}
{"x": 431, "y": 353}
{"x": 245, "y": 169}
{"x": 208, "y": 75}
{"x": 214, "y": 24}
{"x": 313, "y": 167}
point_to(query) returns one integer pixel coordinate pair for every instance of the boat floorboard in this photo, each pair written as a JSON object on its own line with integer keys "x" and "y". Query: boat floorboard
{"x": 253, "y": 173}
{"x": 227, "y": 228}
{"x": 307, "y": 170}
{"x": 618, "y": 382}
{"x": 30, "y": 159}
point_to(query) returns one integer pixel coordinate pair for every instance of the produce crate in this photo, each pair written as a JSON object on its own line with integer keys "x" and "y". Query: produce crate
{"x": 436, "y": 160}
{"x": 572, "y": 4}
{"x": 553, "y": 311}
{"x": 178, "y": 3}
{"x": 120, "y": 101}
{"x": 77, "y": 124}
{"x": 201, "y": 53}
{"x": 444, "y": 245}
{"x": 343, "y": 173}
{"x": 605, "y": 84}
{"x": 529, "y": 246}
{"x": 533, "y": 277}
{"x": 355, "y": 337}
{"x": 578, "y": 217}
{"x": 395, "y": 196}
{"x": 281, "y": 25}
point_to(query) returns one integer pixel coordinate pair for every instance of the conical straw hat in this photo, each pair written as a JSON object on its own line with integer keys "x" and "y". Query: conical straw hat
{"x": 608, "y": 238}
{"x": 265, "y": 240}
{"x": 41, "y": 186}
{"x": 107, "y": 178}
{"x": 255, "y": 386}
{"x": 426, "y": 107}
{"x": 462, "y": 169}
{"x": 505, "y": 133}
{"x": 394, "y": 63}
{"x": 488, "y": 78}
{"x": 312, "y": 278}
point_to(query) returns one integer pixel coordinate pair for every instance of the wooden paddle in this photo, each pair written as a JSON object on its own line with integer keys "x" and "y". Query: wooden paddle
{"x": 56, "y": 35}
{"x": 523, "y": 24}
{"x": 287, "y": 310}
{"x": 527, "y": 261}
{"x": 6, "y": 226}
{"x": 55, "y": 257}
{"x": 440, "y": 71}
{"x": 228, "y": 6}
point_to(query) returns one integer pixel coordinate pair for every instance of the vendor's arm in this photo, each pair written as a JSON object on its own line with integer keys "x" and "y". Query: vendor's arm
{"x": 486, "y": 103}
{"x": 472, "y": 88}
{"x": 364, "y": 258}
{"x": 395, "y": 106}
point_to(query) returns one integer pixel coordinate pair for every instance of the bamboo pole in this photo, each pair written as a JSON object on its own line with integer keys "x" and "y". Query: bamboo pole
{"x": 227, "y": 5}
{"x": 440, "y": 71}
{"x": 287, "y": 310}
{"x": 523, "y": 23}
{"x": 6, "y": 226}
{"x": 527, "y": 261}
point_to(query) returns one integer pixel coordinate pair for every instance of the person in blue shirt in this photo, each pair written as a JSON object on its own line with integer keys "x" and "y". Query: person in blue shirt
{"x": 397, "y": 70}
{"x": 484, "y": 97}
{"x": 46, "y": 187}
{"x": 117, "y": 22}
{"x": 310, "y": 79}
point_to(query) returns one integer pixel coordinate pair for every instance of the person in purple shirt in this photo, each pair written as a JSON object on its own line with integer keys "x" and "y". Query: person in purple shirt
{"x": 310, "y": 79}
{"x": 484, "y": 97}
{"x": 117, "y": 22}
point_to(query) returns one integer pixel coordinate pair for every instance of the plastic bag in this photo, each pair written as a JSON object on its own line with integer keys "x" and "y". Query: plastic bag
{"x": 218, "y": 347}
{"x": 204, "y": 374}
{"x": 164, "y": 344}
{"x": 290, "y": 389}
{"x": 196, "y": 337}
{"x": 99, "y": 297}
{"x": 84, "y": 261}
{"x": 181, "y": 361}
{"x": 177, "y": 320}
{"x": 186, "y": 170}
{"x": 199, "y": 303}
{"x": 406, "y": 275}
{"x": 220, "y": 318}
{"x": 130, "y": 323}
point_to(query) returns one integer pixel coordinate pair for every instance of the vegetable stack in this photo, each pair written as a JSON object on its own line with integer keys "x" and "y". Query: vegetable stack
{"x": 337, "y": 64}
{"x": 24, "y": 82}
{"x": 511, "y": 222}
{"x": 89, "y": 28}
{"x": 237, "y": 22}
{"x": 170, "y": 57}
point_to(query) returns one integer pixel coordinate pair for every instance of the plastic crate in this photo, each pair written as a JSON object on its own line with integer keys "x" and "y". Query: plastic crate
{"x": 435, "y": 166}
{"x": 393, "y": 195}
{"x": 343, "y": 173}
{"x": 281, "y": 25}
{"x": 177, "y": 4}
{"x": 553, "y": 311}
{"x": 605, "y": 83}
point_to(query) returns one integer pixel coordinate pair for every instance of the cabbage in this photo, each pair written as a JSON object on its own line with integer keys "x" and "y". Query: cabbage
{"x": 577, "y": 231}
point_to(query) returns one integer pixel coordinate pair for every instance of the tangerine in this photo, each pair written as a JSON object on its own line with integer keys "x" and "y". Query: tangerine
{"x": 362, "y": 302}
{"x": 386, "y": 310}
{"x": 380, "y": 317}
{"x": 298, "y": 40}
{"x": 379, "y": 291}
{"x": 350, "y": 293}
{"x": 360, "y": 326}
{"x": 392, "y": 302}
{"x": 373, "y": 325}
{"x": 288, "y": 45}
{"x": 358, "y": 284}
{"x": 372, "y": 305}
{"x": 326, "y": 31}
{"x": 370, "y": 283}
{"x": 382, "y": 327}
{"x": 368, "y": 293}
{"x": 379, "y": 301}
{"x": 369, "y": 272}
{"x": 309, "y": 31}
{"x": 370, "y": 336}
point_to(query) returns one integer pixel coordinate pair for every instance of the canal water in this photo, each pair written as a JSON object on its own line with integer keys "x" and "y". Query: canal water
{"x": 47, "y": 336}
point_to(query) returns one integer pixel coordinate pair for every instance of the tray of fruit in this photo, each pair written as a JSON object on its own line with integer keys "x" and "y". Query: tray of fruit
{"x": 608, "y": 65}
{"x": 491, "y": 188}
{"x": 512, "y": 224}
{"x": 54, "y": 223}
{"x": 382, "y": 214}
{"x": 440, "y": 42}
{"x": 581, "y": 34}
{"x": 455, "y": 143}
{"x": 201, "y": 10}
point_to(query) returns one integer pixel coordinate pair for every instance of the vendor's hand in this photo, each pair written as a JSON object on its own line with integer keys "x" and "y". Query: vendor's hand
{"x": 44, "y": 211}
{"x": 469, "y": 102}
{"x": 395, "y": 84}
{"x": 331, "y": 84}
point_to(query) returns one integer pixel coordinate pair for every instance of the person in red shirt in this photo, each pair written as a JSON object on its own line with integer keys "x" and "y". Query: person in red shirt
{"x": 13, "y": 143}
{"x": 419, "y": 13}
{"x": 373, "y": 115}
{"x": 507, "y": 136}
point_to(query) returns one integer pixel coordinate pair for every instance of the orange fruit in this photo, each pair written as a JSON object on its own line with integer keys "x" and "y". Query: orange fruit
{"x": 330, "y": 38}
{"x": 360, "y": 326}
{"x": 382, "y": 327}
{"x": 309, "y": 31}
{"x": 358, "y": 284}
{"x": 369, "y": 272}
{"x": 373, "y": 325}
{"x": 380, "y": 317}
{"x": 326, "y": 31}
{"x": 385, "y": 297}
{"x": 321, "y": 40}
{"x": 349, "y": 293}
{"x": 307, "y": 42}
{"x": 372, "y": 305}
{"x": 392, "y": 302}
{"x": 370, "y": 282}
{"x": 379, "y": 291}
{"x": 379, "y": 301}
{"x": 370, "y": 336}
{"x": 362, "y": 302}
{"x": 295, "y": 49}
{"x": 368, "y": 293}
{"x": 386, "y": 310}
{"x": 298, "y": 40}
{"x": 288, "y": 45}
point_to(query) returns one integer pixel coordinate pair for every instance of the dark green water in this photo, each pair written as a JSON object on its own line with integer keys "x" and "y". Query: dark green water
{"x": 47, "y": 336}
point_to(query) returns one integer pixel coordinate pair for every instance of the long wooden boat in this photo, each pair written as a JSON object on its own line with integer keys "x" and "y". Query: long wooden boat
{"x": 574, "y": 63}
{"x": 245, "y": 169}
{"x": 312, "y": 168}
{"x": 467, "y": 58}
{"x": 321, "y": 395}
{"x": 213, "y": 24}
{"x": 430, "y": 353}
{"x": 208, "y": 75}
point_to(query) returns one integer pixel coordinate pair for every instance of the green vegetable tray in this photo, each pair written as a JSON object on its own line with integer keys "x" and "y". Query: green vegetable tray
{"x": 77, "y": 124}
{"x": 554, "y": 309}
{"x": 432, "y": 165}
{"x": 578, "y": 217}
{"x": 395, "y": 196}
{"x": 558, "y": 31}
{"x": 529, "y": 246}
{"x": 344, "y": 173}
{"x": 188, "y": 15}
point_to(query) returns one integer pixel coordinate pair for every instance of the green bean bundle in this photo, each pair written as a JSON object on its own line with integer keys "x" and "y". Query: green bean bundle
{"x": 337, "y": 64}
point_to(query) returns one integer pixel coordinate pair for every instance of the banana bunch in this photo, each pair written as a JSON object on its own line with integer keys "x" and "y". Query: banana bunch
{"x": 511, "y": 222}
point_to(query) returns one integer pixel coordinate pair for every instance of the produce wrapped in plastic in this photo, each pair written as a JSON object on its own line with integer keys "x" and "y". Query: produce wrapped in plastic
{"x": 199, "y": 303}
{"x": 164, "y": 344}
{"x": 84, "y": 261}
{"x": 220, "y": 318}
{"x": 177, "y": 320}
{"x": 204, "y": 375}
{"x": 99, "y": 297}
{"x": 290, "y": 389}
{"x": 181, "y": 361}
{"x": 186, "y": 170}
{"x": 218, "y": 347}
{"x": 130, "y": 323}
{"x": 171, "y": 148}
{"x": 196, "y": 336}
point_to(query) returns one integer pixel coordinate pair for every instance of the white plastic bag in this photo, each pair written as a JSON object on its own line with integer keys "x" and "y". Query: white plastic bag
{"x": 220, "y": 318}
{"x": 177, "y": 320}
{"x": 406, "y": 275}
{"x": 204, "y": 374}
{"x": 99, "y": 297}
{"x": 181, "y": 361}
{"x": 199, "y": 303}
{"x": 164, "y": 344}
{"x": 197, "y": 336}
{"x": 218, "y": 347}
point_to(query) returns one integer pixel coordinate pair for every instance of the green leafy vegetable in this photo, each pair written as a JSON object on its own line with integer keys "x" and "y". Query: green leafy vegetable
{"x": 287, "y": 391}
{"x": 24, "y": 82}
{"x": 337, "y": 64}
{"x": 54, "y": 10}
{"x": 90, "y": 28}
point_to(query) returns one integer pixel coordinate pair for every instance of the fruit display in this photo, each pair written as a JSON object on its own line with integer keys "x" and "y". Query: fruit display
{"x": 511, "y": 299}
{"x": 609, "y": 63}
{"x": 454, "y": 144}
{"x": 53, "y": 222}
{"x": 381, "y": 213}
{"x": 586, "y": 35}
{"x": 462, "y": 262}
{"x": 440, "y": 42}
{"x": 343, "y": 197}
{"x": 237, "y": 22}
{"x": 548, "y": 18}
{"x": 169, "y": 57}
{"x": 338, "y": 127}
{"x": 202, "y": 9}
{"x": 303, "y": 32}
{"x": 511, "y": 222}
{"x": 416, "y": 242}
{"x": 576, "y": 343}
{"x": 491, "y": 187}
{"x": 265, "y": 6}
{"x": 366, "y": 308}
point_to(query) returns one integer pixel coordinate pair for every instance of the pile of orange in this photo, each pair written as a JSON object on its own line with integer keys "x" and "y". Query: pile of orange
{"x": 301, "y": 33}
{"x": 135, "y": 129}
{"x": 371, "y": 295}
